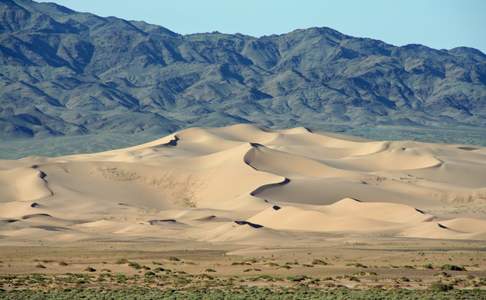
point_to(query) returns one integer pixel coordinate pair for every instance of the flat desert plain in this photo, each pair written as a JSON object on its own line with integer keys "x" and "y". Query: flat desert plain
{"x": 248, "y": 206}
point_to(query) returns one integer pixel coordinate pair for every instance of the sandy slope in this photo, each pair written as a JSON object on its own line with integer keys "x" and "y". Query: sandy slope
{"x": 278, "y": 186}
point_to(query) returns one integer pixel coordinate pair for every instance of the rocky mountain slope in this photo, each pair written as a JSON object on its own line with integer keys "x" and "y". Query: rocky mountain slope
{"x": 65, "y": 73}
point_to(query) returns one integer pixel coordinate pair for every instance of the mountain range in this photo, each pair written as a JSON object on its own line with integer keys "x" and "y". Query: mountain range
{"x": 68, "y": 73}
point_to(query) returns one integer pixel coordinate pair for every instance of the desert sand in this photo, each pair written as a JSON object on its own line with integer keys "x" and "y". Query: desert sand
{"x": 246, "y": 185}
{"x": 247, "y": 206}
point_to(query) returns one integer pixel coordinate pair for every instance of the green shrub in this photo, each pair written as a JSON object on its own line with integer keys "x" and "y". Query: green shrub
{"x": 149, "y": 274}
{"x": 134, "y": 265}
{"x": 448, "y": 267}
{"x": 121, "y": 278}
{"x": 441, "y": 287}
{"x": 297, "y": 278}
{"x": 429, "y": 266}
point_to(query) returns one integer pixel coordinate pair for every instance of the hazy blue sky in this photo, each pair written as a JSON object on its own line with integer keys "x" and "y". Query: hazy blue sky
{"x": 435, "y": 23}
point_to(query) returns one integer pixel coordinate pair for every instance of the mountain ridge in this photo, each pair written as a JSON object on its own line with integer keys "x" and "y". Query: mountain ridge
{"x": 69, "y": 73}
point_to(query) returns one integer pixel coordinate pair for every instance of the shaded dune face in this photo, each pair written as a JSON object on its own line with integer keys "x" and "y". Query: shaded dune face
{"x": 248, "y": 185}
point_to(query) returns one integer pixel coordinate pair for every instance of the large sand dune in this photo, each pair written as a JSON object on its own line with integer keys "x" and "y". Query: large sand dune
{"x": 246, "y": 185}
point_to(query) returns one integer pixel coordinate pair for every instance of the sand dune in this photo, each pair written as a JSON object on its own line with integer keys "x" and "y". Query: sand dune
{"x": 24, "y": 184}
{"x": 347, "y": 215}
{"x": 246, "y": 185}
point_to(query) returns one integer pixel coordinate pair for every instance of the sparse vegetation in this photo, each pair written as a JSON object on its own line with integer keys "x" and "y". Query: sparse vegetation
{"x": 441, "y": 287}
{"x": 149, "y": 274}
{"x": 182, "y": 285}
{"x": 122, "y": 261}
{"x": 449, "y": 267}
{"x": 120, "y": 278}
{"x": 429, "y": 266}
{"x": 159, "y": 269}
{"x": 319, "y": 262}
{"x": 252, "y": 270}
{"x": 134, "y": 265}
{"x": 143, "y": 293}
{"x": 297, "y": 278}
{"x": 357, "y": 265}
{"x": 242, "y": 263}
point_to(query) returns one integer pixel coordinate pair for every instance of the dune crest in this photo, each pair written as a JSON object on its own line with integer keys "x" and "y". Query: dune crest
{"x": 346, "y": 215}
{"x": 248, "y": 185}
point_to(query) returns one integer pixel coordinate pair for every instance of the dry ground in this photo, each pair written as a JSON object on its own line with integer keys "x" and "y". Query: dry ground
{"x": 405, "y": 263}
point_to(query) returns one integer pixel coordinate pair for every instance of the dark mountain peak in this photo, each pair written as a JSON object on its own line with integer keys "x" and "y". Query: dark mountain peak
{"x": 50, "y": 8}
{"x": 156, "y": 29}
{"x": 79, "y": 73}
{"x": 468, "y": 52}
{"x": 54, "y": 13}
{"x": 216, "y": 35}
{"x": 315, "y": 32}
{"x": 417, "y": 49}
{"x": 325, "y": 30}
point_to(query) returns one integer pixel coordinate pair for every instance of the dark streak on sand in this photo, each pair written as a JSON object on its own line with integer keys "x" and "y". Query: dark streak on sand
{"x": 157, "y": 222}
{"x": 43, "y": 176}
{"x": 253, "y": 225}
{"x": 26, "y": 217}
{"x": 420, "y": 211}
{"x": 468, "y": 148}
{"x": 442, "y": 226}
{"x": 270, "y": 185}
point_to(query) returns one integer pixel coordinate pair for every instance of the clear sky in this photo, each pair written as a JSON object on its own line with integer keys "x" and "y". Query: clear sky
{"x": 435, "y": 23}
